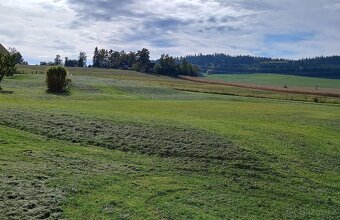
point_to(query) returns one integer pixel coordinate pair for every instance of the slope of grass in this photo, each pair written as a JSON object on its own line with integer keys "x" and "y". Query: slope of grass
{"x": 278, "y": 80}
{"x": 162, "y": 87}
{"x": 173, "y": 154}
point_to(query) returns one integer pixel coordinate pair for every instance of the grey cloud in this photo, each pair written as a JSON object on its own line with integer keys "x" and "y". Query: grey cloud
{"x": 162, "y": 43}
{"x": 166, "y": 23}
{"x": 104, "y": 10}
{"x": 212, "y": 19}
{"x": 176, "y": 27}
{"x": 228, "y": 18}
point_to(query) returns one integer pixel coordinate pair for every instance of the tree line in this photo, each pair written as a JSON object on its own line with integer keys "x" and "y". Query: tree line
{"x": 168, "y": 65}
{"x": 137, "y": 61}
{"x": 140, "y": 61}
{"x": 80, "y": 62}
{"x": 328, "y": 67}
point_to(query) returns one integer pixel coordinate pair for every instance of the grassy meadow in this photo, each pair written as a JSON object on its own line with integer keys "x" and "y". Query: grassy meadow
{"x": 128, "y": 145}
{"x": 277, "y": 80}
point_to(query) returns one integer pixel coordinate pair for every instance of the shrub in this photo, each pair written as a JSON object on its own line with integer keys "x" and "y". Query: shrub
{"x": 56, "y": 80}
{"x": 316, "y": 99}
{"x": 136, "y": 67}
{"x": 7, "y": 66}
{"x": 157, "y": 69}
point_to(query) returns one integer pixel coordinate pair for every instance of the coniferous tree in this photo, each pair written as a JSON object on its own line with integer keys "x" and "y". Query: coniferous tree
{"x": 95, "y": 61}
{"x": 82, "y": 59}
{"x": 70, "y": 62}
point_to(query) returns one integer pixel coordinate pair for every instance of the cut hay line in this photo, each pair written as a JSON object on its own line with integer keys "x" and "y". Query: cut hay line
{"x": 146, "y": 139}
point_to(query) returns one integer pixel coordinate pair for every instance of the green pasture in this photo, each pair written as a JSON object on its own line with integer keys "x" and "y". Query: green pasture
{"x": 278, "y": 80}
{"x": 127, "y": 145}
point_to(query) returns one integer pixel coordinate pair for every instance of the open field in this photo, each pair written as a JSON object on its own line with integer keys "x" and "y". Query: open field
{"x": 296, "y": 91}
{"x": 277, "y": 80}
{"x": 165, "y": 83}
{"x": 127, "y": 145}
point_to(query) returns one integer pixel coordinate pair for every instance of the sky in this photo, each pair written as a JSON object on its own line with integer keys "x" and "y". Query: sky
{"x": 282, "y": 29}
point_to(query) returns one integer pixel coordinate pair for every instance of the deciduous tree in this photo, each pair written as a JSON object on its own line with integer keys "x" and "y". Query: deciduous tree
{"x": 58, "y": 61}
{"x": 143, "y": 59}
{"x": 18, "y": 57}
{"x": 7, "y": 66}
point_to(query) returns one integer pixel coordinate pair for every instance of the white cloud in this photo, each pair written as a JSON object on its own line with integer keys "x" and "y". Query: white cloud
{"x": 41, "y": 29}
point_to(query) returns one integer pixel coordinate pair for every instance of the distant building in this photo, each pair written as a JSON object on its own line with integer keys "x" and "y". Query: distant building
{"x": 3, "y": 49}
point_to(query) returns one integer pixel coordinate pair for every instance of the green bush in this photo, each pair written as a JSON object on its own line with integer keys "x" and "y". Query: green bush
{"x": 137, "y": 67}
{"x": 7, "y": 66}
{"x": 56, "y": 80}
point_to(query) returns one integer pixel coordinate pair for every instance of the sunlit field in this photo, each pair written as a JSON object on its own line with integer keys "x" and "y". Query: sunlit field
{"x": 288, "y": 81}
{"x": 128, "y": 145}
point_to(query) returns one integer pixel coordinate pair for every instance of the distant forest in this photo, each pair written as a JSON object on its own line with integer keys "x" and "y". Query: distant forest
{"x": 137, "y": 61}
{"x": 197, "y": 65}
{"x": 326, "y": 67}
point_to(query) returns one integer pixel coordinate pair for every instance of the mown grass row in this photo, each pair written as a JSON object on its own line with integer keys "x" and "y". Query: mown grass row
{"x": 147, "y": 139}
{"x": 88, "y": 182}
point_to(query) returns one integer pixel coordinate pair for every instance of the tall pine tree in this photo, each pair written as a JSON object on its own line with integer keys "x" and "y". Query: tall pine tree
{"x": 95, "y": 58}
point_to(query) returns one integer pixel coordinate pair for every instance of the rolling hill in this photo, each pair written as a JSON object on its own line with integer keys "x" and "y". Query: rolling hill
{"x": 320, "y": 67}
{"x": 129, "y": 145}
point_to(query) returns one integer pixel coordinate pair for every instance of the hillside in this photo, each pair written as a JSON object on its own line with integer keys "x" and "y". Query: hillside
{"x": 286, "y": 82}
{"x": 324, "y": 67}
{"x": 128, "y": 145}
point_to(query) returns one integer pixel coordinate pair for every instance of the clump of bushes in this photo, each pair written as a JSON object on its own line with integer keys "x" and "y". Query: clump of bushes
{"x": 57, "y": 80}
{"x": 168, "y": 65}
{"x": 7, "y": 66}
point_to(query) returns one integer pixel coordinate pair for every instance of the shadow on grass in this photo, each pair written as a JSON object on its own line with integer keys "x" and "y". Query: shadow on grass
{"x": 6, "y": 92}
{"x": 63, "y": 93}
